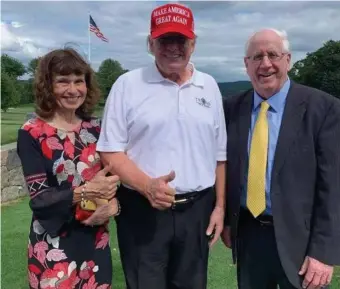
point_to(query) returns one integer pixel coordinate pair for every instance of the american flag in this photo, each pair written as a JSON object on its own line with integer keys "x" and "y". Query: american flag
{"x": 94, "y": 28}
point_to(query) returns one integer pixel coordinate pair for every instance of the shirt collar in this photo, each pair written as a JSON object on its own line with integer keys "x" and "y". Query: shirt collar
{"x": 155, "y": 76}
{"x": 276, "y": 101}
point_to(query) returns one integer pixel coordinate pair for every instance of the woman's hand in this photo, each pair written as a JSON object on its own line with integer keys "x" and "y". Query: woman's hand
{"x": 102, "y": 186}
{"x": 103, "y": 213}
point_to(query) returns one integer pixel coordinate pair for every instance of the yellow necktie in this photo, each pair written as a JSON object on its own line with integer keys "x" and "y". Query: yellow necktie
{"x": 256, "y": 196}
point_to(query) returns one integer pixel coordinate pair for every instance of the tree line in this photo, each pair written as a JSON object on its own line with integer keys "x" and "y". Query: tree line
{"x": 319, "y": 69}
{"x": 16, "y": 91}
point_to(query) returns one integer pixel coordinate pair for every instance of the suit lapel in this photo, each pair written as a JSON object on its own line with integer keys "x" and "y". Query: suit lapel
{"x": 244, "y": 122}
{"x": 290, "y": 126}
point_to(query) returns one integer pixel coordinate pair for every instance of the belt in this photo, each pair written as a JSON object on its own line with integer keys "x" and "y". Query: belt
{"x": 183, "y": 201}
{"x": 263, "y": 220}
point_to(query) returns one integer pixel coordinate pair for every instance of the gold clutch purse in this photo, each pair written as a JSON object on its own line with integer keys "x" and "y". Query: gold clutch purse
{"x": 89, "y": 205}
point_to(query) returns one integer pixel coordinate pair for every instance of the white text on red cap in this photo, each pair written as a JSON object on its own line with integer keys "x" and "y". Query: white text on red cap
{"x": 177, "y": 19}
{"x": 171, "y": 9}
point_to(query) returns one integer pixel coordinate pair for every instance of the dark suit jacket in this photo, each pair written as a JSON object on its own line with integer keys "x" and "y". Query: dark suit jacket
{"x": 305, "y": 186}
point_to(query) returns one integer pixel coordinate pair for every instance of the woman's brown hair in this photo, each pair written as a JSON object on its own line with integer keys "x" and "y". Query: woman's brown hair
{"x": 63, "y": 62}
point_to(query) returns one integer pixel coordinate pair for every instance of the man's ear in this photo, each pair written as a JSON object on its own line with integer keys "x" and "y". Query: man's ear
{"x": 150, "y": 45}
{"x": 245, "y": 60}
{"x": 289, "y": 57}
{"x": 192, "y": 49}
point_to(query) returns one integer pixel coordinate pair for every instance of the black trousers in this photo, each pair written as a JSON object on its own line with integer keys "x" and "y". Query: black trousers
{"x": 164, "y": 249}
{"x": 258, "y": 265}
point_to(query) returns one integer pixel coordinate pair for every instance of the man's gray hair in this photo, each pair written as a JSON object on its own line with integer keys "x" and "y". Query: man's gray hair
{"x": 281, "y": 33}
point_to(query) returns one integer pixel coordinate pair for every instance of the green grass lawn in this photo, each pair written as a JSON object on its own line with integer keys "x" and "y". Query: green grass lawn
{"x": 11, "y": 121}
{"x": 14, "y": 118}
{"x": 15, "y": 221}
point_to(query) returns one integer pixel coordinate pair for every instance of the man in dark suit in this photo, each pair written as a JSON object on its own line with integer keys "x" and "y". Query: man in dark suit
{"x": 283, "y": 176}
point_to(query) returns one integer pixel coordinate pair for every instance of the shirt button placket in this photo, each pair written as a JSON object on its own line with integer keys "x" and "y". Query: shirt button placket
{"x": 181, "y": 108}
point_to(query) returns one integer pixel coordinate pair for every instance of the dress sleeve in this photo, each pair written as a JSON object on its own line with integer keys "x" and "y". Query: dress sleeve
{"x": 51, "y": 205}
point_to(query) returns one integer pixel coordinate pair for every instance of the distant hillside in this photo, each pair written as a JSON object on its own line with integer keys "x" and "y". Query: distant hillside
{"x": 232, "y": 88}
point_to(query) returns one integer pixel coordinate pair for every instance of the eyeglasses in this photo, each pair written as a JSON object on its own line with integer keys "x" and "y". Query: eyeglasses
{"x": 180, "y": 40}
{"x": 272, "y": 56}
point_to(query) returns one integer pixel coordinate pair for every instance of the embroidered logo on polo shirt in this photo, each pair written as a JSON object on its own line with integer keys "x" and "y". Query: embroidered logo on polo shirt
{"x": 202, "y": 101}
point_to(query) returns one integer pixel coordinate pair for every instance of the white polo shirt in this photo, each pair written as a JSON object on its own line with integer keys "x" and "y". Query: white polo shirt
{"x": 163, "y": 126}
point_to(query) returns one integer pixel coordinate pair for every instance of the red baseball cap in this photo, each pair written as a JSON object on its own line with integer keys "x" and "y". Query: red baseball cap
{"x": 172, "y": 18}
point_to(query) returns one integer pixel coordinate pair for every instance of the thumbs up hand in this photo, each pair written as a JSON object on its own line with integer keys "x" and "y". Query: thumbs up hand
{"x": 169, "y": 177}
{"x": 159, "y": 193}
{"x": 104, "y": 171}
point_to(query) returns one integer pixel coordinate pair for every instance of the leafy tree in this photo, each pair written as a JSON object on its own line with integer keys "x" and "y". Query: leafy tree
{"x": 27, "y": 85}
{"x": 9, "y": 92}
{"x": 320, "y": 69}
{"x": 107, "y": 74}
{"x": 32, "y": 66}
{"x": 26, "y": 91}
{"x": 11, "y": 66}
{"x": 11, "y": 69}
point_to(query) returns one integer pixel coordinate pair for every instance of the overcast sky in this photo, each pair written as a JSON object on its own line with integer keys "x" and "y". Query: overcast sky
{"x": 30, "y": 29}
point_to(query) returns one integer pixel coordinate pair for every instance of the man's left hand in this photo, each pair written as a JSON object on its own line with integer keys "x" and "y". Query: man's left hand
{"x": 215, "y": 225}
{"x": 317, "y": 274}
{"x": 102, "y": 213}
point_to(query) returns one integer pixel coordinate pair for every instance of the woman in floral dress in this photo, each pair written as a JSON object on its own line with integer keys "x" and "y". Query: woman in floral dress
{"x": 68, "y": 245}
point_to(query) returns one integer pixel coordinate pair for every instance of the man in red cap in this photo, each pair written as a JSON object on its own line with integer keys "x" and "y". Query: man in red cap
{"x": 164, "y": 133}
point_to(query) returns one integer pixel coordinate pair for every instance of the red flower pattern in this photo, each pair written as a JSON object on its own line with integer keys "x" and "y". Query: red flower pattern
{"x": 38, "y": 127}
{"x": 89, "y": 173}
{"x": 70, "y": 178}
{"x": 69, "y": 148}
{"x": 60, "y": 168}
{"x": 34, "y": 269}
{"x": 102, "y": 239}
{"x": 30, "y": 250}
{"x": 52, "y": 269}
{"x": 88, "y": 154}
{"x": 47, "y": 151}
{"x": 33, "y": 280}
{"x": 40, "y": 249}
{"x": 87, "y": 270}
{"x": 62, "y": 276}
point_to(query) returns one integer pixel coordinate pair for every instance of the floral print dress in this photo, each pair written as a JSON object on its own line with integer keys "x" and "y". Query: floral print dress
{"x": 62, "y": 252}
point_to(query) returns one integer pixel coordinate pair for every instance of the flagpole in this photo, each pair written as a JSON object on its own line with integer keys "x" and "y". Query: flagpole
{"x": 89, "y": 36}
